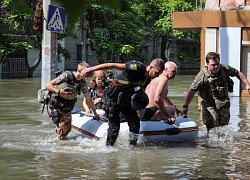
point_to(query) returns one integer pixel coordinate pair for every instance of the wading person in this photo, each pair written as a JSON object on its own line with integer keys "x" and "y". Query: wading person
{"x": 122, "y": 94}
{"x": 160, "y": 106}
{"x": 65, "y": 89}
{"x": 213, "y": 84}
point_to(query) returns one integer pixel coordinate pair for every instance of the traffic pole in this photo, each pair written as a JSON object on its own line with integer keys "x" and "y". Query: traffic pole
{"x": 49, "y": 50}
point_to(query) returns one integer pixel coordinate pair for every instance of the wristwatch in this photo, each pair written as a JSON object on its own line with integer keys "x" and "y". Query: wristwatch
{"x": 185, "y": 106}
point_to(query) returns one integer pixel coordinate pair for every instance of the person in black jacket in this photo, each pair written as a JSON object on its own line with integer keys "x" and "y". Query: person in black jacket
{"x": 124, "y": 94}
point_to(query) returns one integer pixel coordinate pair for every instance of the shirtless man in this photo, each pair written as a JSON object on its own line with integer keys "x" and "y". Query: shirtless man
{"x": 159, "y": 106}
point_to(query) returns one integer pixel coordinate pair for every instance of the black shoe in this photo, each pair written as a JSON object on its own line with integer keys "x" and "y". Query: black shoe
{"x": 110, "y": 142}
{"x": 133, "y": 139}
{"x": 133, "y": 142}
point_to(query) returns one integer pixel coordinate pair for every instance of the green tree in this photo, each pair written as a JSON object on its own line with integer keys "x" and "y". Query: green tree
{"x": 157, "y": 18}
{"x": 111, "y": 29}
{"x": 117, "y": 32}
{"x": 118, "y": 27}
{"x": 19, "y": 22}
{"x": 15, "y": 23}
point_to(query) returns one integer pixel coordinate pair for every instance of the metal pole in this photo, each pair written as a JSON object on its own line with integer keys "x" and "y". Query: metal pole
{"x": 49, "y": 50}
{"x": 84, "y": 51}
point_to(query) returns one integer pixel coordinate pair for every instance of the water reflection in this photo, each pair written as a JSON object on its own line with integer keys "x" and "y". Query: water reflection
{"x": 29, "y": 148}
{"x": 244, "y": 114}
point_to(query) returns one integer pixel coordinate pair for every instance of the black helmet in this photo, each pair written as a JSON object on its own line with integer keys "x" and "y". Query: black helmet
{"x": 139, "y": 100}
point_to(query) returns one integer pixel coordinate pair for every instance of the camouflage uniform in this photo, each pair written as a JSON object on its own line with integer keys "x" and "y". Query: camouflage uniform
{"x": 63, "y": 125}
{"x": 213, "y": 89}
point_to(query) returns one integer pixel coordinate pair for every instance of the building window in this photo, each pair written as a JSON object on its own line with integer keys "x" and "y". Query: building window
{"x": 78, "y": 53}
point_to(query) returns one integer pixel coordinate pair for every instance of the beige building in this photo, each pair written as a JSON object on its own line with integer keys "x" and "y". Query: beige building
{"x": 225, "y": 28}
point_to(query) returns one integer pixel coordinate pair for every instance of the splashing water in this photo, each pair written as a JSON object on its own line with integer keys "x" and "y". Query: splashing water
{"x": 217, "y": 137}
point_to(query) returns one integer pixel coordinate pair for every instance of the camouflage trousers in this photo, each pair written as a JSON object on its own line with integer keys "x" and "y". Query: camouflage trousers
{"x": 213, "y": 117}
{"x": 63, "y": 127}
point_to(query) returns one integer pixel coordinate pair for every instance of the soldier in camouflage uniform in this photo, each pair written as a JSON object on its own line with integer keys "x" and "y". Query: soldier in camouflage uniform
{"x": 213, "y": 85}
{"x": 65, "y": 89}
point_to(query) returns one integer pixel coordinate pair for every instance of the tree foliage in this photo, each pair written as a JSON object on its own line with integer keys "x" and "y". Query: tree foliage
{"x": 157, "y": 18}
{"x": 17, "y": 23}
{"x": 118, "y": 28}
{"x": 17, "y": 19}
{"x": 117, "y": 32}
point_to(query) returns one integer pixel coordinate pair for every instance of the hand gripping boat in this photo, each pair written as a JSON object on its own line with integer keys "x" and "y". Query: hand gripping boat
{"x": 184, "y": 129}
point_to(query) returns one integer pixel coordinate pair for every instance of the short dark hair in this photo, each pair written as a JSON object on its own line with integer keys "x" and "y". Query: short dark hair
{"x": 83, "y": 64}
{"x": 158, "y": 62}
{"x": 213, "y": 56}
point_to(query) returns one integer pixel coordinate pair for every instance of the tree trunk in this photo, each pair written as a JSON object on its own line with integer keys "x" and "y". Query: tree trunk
{"x": 163, "y": 47}
{"x": 32, "y": 68}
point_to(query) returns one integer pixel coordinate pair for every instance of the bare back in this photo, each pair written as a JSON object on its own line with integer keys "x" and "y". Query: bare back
{"x": 157, "y": 90}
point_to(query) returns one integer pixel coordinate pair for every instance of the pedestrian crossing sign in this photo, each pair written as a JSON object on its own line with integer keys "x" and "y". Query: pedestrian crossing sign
{"x": 56, "y": 19}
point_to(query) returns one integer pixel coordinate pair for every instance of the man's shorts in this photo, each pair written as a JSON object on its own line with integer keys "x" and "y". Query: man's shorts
{"x": 147, "y": 113}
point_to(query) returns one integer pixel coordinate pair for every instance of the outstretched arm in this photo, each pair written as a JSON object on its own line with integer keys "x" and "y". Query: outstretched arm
{"x": 188, "y": 99}
{"x": 85, "y": 106}
{"x": 159, "y": 99}
{"x": 117, "y": 66}
{"x": 91, "y": 104}
{"x": 243, "y": 78}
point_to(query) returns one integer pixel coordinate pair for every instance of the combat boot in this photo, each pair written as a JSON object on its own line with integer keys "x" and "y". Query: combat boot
{"x": 110, "y": 142}
{"x": 133, "y": 138}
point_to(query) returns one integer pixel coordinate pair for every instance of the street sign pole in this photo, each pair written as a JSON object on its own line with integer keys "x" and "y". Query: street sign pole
{"x": 49, "y": 50}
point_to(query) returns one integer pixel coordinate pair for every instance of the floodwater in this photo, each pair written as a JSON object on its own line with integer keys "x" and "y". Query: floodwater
{"x": 29, "y": 148}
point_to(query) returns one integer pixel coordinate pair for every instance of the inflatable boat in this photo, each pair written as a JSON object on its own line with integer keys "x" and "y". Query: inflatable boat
{"x": 184, "y": 129}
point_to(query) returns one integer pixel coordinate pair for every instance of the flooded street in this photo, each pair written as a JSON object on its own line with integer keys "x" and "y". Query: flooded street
{"x": 29, "y": 148}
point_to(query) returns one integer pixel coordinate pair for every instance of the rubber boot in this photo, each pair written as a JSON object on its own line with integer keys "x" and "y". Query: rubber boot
{"x": 133, "y": 138}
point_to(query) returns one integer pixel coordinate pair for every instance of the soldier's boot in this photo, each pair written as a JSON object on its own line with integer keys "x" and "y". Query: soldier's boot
{"x": 133, "y": 138}
{"x": 110, "y": 141}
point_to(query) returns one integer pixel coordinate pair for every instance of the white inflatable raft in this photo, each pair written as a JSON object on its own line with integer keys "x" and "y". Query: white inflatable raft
{"x": 184, "y": 129}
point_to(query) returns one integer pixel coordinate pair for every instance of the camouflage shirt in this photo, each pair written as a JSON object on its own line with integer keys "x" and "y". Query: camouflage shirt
{"x": 201, "y": 82}
{"x": 69, "y": 78}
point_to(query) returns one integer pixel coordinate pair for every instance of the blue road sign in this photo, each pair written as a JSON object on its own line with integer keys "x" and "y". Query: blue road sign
{"x": 56, "y": 19}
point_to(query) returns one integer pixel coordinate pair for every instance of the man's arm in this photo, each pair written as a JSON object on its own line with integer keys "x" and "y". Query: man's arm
{"x": 91, "y": 104}
{"x": 60, "y": 92}
{"x": 50, "y": 86}
{"x": 159, "y": 99}
{"x": 168, "y": 101}
{"x": 117, "y": 66}
{"x": 243, "y": 78}
{"x": 189, "y": 98}
{"x": 85, "y": 106}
